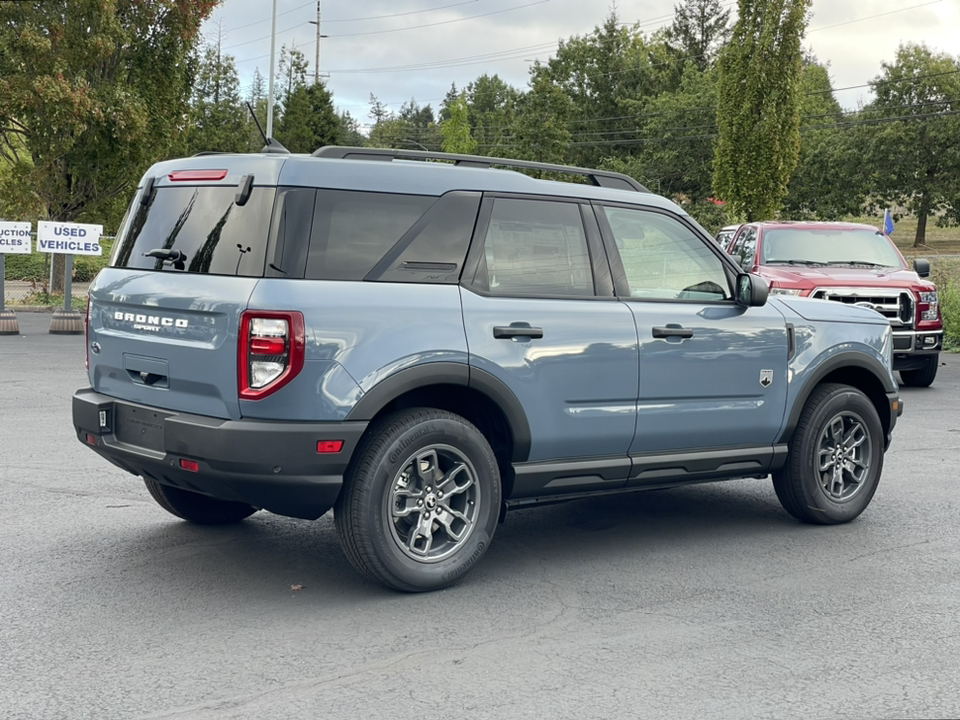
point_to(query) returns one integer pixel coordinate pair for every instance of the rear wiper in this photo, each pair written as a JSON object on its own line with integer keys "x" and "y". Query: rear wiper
{"x": 811, "y": 263}
{"x": 856, "y": 262}
{"x": 177, "y": 257}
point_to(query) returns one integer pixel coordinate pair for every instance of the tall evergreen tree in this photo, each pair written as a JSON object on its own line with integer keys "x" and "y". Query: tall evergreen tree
{"x": 456, "y": 129}
{"x": 309, "y": 120}
{"x": 217, "y": 115}
{"x": 699, "y": 27}
{"x": 758, "y": 112}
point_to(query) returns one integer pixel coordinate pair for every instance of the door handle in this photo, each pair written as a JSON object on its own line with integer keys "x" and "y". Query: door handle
{"x": 506, "y": 332}
{"x": 672, "y": 331}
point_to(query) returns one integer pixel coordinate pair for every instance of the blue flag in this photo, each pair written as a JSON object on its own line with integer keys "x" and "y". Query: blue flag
{"x": 887, "y": 222}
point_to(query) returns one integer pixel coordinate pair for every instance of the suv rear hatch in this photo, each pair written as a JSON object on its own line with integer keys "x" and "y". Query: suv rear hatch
{"x": 164, "y": 317}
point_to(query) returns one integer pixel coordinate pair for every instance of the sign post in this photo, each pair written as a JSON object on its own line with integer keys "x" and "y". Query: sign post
{"x": 69, "y": 239}
{"x": 14, "y": 238}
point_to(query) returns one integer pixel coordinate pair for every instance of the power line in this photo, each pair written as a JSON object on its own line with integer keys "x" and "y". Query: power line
{"x": 412, "y": 12}
{"x": 443, "y": 22}
{"x": 267, "y": 19}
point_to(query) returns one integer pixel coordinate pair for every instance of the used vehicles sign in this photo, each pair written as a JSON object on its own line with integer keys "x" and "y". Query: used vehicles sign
{"x": 69, "y": 238}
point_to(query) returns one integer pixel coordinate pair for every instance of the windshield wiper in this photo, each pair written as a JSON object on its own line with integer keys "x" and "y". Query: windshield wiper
{"x": 856, "y": 262}
{"x": 809, "y": 263}
{"x": 176, "y": 257}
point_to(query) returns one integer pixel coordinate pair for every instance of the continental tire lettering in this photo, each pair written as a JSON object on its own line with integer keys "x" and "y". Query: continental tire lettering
{"x": 474, "y": 556}
{"x": 407, "y": 442}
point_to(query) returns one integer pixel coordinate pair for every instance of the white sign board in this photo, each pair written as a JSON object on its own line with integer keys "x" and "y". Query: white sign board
{"x": 15, "y": 237}
{"x": 69, "y": 238}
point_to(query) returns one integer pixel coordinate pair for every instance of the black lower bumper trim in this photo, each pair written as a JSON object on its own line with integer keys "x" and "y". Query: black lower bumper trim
{"x": 270, "y": 465}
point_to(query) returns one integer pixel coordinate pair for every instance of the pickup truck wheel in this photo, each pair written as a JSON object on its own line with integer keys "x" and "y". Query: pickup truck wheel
{"x": 421, "y": 500}
{"x": 835, "y": 457}
{"x": 197, "y": 508}
{"x": 921, "y": 377}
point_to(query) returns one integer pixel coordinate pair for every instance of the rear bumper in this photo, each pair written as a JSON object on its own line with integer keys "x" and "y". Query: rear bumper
{"x": 911, "y": 348}
{"x": 270, "y": 465}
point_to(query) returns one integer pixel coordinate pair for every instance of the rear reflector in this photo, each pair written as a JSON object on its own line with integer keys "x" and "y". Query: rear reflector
{"x": 197, "y": 175}
{"x": 91, "y": 439}
{"x": 329, "y": 446}
{"x": 189, "y": 465}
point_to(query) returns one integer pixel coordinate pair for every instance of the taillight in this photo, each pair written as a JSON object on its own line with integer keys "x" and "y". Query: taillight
{"x": 928, "y": 308}
{"x": 270, "y": 353}
{"x": 86, "y": 333}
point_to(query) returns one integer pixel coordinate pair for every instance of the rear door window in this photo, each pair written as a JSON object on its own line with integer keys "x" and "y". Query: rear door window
{"x": 213, "y": 233}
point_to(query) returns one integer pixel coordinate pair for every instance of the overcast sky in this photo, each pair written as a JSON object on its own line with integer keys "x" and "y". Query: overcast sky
{"x": 402, "y": 49}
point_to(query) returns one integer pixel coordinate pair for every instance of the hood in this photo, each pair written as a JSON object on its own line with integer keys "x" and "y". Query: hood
{"x": 824, "y": 311}
{"x": 811, "y": 277}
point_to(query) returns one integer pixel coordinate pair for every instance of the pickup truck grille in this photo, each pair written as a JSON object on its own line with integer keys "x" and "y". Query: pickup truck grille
{"x": 895, "y": 305}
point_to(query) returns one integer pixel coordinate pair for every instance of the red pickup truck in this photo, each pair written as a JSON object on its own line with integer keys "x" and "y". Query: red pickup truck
{"x": 855, "y": 264}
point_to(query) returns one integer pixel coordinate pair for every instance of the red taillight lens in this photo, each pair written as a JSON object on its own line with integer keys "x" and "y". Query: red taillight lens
{"x": 197, "y": 175}
{"x": 270, "y": 353}
{"x": 86, "y": 333}
{"x": 189, "y": 465}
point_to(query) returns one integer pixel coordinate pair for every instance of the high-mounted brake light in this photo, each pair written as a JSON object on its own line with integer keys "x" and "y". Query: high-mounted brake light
{"x": 271, "y": 351}
{"x": 197, "y": 175}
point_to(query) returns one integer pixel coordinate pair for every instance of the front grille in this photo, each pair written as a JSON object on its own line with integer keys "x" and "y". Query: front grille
{"x": 895, "y": 305}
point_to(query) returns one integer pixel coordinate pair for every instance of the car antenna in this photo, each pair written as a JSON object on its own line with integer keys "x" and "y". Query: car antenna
{"x": 272, "y": 146}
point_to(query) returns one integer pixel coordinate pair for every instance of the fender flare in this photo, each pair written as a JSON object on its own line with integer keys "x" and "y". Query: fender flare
{"x": 449, "y": 373}
{"x": 837, "y": 362}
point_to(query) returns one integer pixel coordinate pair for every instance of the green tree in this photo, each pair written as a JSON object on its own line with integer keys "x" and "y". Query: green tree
{"x": 491, "y": 112}
{"x": 350, "y": 134}
{"x": 456, "y": 128}
{"x": 829, "y": 181}
{"x": 699, "y": 27}
{"x": 91, "y": 93}
{"x": 540, "y": 132}
{"x": 309, "y": 120}
{"x": 217, "y": 114}
{"x": 758, "y": 110}
{"x": 911, "y": 140}
{"x": 257, "y": 97}
{"x": 291, "y": 74}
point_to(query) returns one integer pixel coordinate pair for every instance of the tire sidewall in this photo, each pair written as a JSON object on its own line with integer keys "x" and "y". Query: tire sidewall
{"x": 391, "y": 458}
{"x": 848, "y": 400}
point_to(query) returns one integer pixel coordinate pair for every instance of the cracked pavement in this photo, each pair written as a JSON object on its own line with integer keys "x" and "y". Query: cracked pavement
{"x": 705, "y": 601}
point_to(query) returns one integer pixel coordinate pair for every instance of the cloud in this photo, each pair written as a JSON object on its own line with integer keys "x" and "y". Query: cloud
{"x": 423, "y": 46}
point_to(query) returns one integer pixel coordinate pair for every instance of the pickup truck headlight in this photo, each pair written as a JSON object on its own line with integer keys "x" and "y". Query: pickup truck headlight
{"x": 932, "y": 301}
{"x": 774, "y": 290}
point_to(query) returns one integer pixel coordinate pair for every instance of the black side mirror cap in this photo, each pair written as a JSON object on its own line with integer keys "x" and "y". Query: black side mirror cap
{"x": 922, "y": 267}
{"x": 752, "y": 290}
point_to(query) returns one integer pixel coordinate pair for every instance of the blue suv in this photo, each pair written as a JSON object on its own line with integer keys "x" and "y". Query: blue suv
{"x": 421, "y": 341}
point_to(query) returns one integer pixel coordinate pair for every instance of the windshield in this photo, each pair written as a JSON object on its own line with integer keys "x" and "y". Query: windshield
{"x": 823, "y": 246}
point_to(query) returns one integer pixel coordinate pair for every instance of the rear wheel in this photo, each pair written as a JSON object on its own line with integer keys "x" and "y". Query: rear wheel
{"x": 421, "y": 503}
{"x": 921, "y": 377}
{"x": 835, "y": 458}
{"x": 197, "y": 508}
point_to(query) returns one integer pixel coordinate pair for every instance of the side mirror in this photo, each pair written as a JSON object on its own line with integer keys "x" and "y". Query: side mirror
{"x": 922, "y": 267}
{"x": 752, "y": 290}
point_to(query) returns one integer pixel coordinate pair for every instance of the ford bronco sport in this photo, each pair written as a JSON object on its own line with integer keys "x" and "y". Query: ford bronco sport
{"x": 854, "y": 264}
{"x": 422, "y": 345}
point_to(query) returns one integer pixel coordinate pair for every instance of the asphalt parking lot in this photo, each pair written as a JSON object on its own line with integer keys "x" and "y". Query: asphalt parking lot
{"x": 702, "y": 602}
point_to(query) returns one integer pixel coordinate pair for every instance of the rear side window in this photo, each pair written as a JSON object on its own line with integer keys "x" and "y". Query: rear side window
{"x": 352, "y": 231}
{"x": 213, "y": 234}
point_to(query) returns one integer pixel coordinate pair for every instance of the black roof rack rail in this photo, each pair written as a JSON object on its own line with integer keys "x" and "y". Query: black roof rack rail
{"x": 600, "y": 178}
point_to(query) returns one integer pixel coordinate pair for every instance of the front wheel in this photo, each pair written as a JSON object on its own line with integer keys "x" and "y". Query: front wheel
{"x": 197, "y": 508}
{"x": 836, "y": 455}
{"x": 921, "y": 377}
{"x": 421, "y": 502}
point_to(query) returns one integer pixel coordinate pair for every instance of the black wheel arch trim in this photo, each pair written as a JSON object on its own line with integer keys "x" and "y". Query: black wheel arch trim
{"x": 837, "y": 362}
{"x": 449, "y": 373}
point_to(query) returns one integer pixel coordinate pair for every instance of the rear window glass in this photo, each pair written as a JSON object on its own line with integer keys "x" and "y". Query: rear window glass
{"x": 213, "y": 234}
{"x": 352, "y": 231}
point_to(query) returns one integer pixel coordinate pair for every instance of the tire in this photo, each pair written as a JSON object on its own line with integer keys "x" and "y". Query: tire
{"x": 812, "y": 486}
{"x": 921, "y": 377}
{"x": 393, "y": 521}
{"x": 196, "y": 508}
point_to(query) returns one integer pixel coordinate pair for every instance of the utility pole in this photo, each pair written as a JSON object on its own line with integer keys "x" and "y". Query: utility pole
{"x": 320, "y": 36}
{"x": 273, "y": 54}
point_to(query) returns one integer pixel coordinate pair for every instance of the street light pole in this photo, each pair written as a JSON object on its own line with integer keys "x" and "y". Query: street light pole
{"x": 273, "y": 54}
